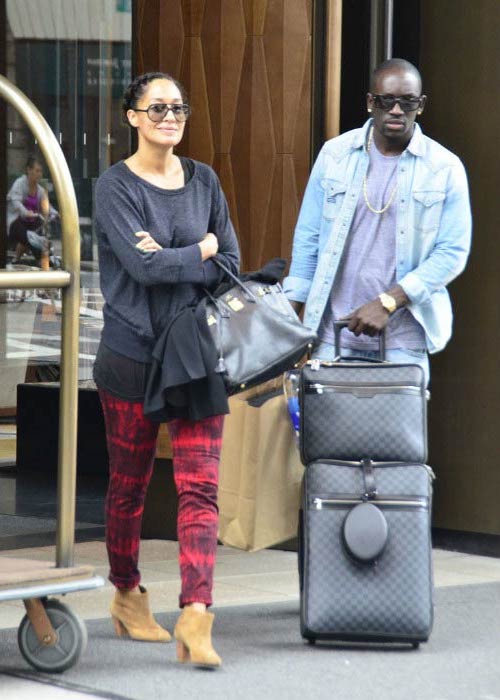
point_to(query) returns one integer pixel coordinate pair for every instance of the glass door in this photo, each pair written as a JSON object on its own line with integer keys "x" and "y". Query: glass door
{"x": 72, "y": 58}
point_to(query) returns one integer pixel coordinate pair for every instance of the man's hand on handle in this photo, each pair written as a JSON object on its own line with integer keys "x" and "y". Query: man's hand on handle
{"x": 371, "y": 318}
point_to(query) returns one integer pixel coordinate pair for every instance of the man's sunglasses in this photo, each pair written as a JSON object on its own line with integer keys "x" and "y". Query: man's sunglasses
{"x": 158, "y": 111}
{"x": 387, "y": 102}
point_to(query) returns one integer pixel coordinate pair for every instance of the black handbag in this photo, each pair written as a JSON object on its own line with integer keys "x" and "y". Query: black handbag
{"x": 257, "y": 333}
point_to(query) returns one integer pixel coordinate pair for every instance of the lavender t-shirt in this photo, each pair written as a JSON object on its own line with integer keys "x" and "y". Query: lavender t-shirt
{"x": 368, "y": 264}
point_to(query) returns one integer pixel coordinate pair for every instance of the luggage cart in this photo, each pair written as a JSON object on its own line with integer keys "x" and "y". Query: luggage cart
{"x": 51, "y": 637}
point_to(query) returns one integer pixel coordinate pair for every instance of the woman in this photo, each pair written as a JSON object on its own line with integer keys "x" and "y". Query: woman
{"x": 160, "y": 221}
{"x": 28, "y": 209}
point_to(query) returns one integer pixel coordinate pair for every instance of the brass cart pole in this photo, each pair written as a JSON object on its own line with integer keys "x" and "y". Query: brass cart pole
{"x": 68, "y": 280}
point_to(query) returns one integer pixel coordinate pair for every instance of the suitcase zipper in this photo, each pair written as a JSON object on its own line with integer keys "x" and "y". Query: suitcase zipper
{"x": 366, "y": 390}
{"x": 399, "y": 502}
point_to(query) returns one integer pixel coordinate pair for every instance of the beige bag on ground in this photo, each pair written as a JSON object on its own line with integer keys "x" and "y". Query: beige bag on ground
{"x": 260, "y": 474}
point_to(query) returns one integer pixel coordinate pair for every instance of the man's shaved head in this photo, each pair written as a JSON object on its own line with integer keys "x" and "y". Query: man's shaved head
{"x": 394, "y": 65}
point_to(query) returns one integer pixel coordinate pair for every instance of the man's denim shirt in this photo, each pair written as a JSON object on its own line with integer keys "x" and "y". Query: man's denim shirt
{"x": 433, "y": 227}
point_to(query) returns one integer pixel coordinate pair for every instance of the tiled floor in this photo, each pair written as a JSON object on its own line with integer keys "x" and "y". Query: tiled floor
{"x": 241, "y": 578}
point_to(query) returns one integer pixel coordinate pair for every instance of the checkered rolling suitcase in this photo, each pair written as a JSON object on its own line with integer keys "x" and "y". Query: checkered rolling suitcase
{"x": 364, "y": 542}
{"x": 365, "y": 552}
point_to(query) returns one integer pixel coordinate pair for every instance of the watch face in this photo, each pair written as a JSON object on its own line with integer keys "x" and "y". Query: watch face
{"x": 388, "y": 302}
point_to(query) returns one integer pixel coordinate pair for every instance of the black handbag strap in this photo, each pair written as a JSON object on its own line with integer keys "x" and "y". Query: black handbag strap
{"x": 246, "y": 291}
{"x": 225, "y": 311}
{"x": 222, "y": 308}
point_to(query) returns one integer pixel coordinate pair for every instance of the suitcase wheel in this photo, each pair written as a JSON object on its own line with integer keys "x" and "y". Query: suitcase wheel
{"x": 415, "y": 645}
{"x": 311, "y": 641}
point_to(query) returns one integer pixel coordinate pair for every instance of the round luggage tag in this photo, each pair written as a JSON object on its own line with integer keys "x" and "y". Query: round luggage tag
{"x": 365, "y": 532}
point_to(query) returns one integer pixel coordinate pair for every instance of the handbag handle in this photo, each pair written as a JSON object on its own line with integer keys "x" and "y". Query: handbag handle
{"x": 225, "y": 311}
{"x": 337, "y": 328}
{"x": 222, "y": 308}
{"x": 247, "y": 292}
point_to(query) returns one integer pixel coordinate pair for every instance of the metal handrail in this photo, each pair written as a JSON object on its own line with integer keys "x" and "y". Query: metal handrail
{"x": 67, "y": 279}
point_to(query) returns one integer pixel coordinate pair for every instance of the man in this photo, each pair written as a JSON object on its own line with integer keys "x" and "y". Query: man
{"x": 384, "y": 226}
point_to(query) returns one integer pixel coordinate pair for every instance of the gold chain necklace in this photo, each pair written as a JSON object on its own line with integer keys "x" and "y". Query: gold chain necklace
{"x": 365, "y": 192}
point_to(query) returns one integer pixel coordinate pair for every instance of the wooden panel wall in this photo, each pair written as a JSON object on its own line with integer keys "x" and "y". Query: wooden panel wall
{"x": 246, "y": 65}
{"x": 460, "y": 64}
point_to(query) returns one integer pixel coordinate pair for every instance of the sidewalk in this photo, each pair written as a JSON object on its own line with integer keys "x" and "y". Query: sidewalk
{"x": 242, "y": 579}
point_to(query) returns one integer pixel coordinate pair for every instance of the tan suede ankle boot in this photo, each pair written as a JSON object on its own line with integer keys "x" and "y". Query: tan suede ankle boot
{"x": 193, "y": 633}
{"x": 132, "y": 616}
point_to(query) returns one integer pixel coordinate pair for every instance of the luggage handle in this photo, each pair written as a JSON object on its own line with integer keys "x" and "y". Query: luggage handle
{"x": 247, "y": 293}
{"x": 337, "y": 328}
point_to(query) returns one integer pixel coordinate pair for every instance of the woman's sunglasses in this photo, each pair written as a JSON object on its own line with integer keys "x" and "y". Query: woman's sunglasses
{"x": 159, "y": 110}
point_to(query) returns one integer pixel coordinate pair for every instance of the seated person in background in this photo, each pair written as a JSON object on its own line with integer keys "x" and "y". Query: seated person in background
{"x": 28, "y": 209}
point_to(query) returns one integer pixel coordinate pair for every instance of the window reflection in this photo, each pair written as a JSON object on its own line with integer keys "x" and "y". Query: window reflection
{"x": 72, "y": 59}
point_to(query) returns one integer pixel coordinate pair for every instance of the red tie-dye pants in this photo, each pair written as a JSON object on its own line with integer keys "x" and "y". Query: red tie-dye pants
{"x": 131, "y": 441}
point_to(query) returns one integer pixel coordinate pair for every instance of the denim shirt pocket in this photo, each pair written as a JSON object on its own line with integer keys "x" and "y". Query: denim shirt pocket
{"x": 428, "y": 206}
{"x": 333, "y": 198}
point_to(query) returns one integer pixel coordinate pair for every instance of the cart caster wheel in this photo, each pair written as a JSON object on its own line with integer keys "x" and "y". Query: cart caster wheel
{"x": 311, "y": 641}
{"x": 72, "y": 640}
{"x": 416, "y": 645}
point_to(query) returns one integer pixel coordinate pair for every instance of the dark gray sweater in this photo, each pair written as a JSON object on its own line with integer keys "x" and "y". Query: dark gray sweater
{"x": 145, "y": 291}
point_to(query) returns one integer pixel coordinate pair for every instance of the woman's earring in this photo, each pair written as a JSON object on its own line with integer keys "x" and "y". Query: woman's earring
{"x": 419, "y": 111}
{"x": 369, "y": 109}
